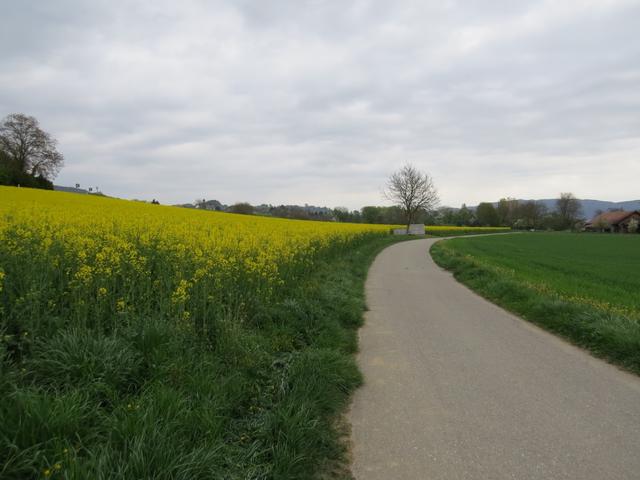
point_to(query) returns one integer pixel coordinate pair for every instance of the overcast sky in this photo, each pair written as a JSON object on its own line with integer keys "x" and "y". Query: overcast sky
{"x": 292, "y": 101}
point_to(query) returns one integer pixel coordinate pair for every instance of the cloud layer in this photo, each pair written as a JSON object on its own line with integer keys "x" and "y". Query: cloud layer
{"x": 317, "y": 102}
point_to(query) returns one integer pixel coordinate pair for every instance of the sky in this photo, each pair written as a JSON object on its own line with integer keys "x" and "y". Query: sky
{"x": 318, "y": 102}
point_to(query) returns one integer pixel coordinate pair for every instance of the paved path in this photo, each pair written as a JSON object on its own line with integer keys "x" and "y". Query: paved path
{"x": 456, "y": 388}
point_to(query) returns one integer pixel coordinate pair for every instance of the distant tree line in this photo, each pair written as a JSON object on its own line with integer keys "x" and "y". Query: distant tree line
{"x": 297, "y": 212}
{"x": 508, "y": 212}
{"x": 28, "y": 155}
{"x": 517, "y": 214}
{"x": 374, "y": 214}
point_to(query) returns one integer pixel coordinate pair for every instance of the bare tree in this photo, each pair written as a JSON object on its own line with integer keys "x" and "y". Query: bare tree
{"x": 412, "y": 191}
{"x": 569, "y": 209}
{"x": 31, "y": 149}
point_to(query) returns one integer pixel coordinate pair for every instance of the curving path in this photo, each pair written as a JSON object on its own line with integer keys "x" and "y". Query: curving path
{"x": 457, "y": 388}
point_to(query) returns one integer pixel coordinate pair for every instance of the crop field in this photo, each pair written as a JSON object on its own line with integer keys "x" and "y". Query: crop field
{"x": 452, "y": 231}
{"x": 584, "y": 286}
{"x": 142, "y": 341}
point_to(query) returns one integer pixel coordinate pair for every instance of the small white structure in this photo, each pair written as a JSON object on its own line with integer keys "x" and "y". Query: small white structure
{"x": 414, "y": 229}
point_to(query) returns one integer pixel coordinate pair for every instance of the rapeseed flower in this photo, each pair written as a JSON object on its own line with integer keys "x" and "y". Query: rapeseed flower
{"x": 94, "y": 252}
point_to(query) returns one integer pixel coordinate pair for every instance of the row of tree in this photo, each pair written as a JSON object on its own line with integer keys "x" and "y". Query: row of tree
{"x": 507, "y": 213}
{"x": 518, "y": 214}
{"x": 393, "y": 215}
{"x": 28, "y": 155}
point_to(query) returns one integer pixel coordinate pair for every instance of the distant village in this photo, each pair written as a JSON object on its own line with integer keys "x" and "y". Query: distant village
{"x": 305, "y": 212}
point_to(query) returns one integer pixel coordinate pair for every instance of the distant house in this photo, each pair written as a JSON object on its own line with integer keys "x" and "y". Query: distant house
{"x": 614, "y": 222}
{"x": 317, "y": 211}
{"x": 210, "y": 205}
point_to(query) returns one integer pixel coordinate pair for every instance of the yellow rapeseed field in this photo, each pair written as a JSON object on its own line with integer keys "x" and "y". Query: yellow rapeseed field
{"x": 144, "y": 341}
{"x": 94, "y": 259}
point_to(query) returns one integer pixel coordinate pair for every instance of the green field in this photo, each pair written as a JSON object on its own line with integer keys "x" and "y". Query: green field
{"x": 585, "y": 287}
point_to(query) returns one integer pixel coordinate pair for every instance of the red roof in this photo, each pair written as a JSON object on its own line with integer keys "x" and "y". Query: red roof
{"x": 612, "y": 218}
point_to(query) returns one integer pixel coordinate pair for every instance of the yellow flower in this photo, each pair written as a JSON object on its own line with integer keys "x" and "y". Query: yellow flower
{"x": 46, "y": 472}
{"x": 120, "y": 305}
{"x": 168, "y": 260}
{"x": 180, "y": 294}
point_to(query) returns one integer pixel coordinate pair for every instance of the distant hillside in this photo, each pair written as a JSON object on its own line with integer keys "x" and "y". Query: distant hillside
{"x": 590, "y": 207}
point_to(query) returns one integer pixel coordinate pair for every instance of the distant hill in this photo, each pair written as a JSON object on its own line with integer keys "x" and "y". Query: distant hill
{"x": 590, "y": 207}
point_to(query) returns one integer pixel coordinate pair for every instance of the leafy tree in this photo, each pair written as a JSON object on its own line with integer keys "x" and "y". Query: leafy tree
{"x": 465, "y": 216}
{"x": 529, "y": 215}
{"x": 242, "y": 208}
{"x": 486, "y": 215}
{"x": 343, "y": 214}
{"x": 412, "y": 191}
{"x": 31, "y": 150}
{"x": 507, "y": 211}
{"x": 10, "y": 175}
{"x": 371, "y": 214}
{"x": 386, "y": 215}
{"x": 503, "y": 212}
{"x": 395, "y": 216}
{"x": 446, "y": 216}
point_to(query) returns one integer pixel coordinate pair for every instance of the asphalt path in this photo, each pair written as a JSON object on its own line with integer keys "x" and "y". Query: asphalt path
{"x": 457, "y": 388}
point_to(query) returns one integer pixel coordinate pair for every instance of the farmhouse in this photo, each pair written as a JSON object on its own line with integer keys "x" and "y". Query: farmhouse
{"x": 615, "y": 222}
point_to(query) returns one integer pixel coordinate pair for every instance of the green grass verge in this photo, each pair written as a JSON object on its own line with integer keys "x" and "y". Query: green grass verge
{"x": 258, "y": 397}
{"x": 582, "y": 287}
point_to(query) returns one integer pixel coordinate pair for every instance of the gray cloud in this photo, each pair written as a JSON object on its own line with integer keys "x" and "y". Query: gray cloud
{"x": 309, "y": 101}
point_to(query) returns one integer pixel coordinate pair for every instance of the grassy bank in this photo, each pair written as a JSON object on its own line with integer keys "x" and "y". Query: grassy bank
{"x": 580, "y": 286}
{"x": 258, "y": 400}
